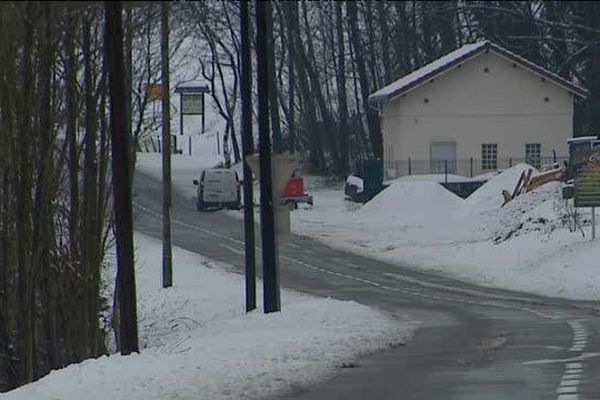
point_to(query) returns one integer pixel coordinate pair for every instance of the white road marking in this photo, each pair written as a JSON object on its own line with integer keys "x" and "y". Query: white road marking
{"x": 577, "y": 365}
{"x": 573, "y": 371}
{"x": 567, "y": 389}
{"x": 232, "y": 249}
{"x": 569, "y": 382}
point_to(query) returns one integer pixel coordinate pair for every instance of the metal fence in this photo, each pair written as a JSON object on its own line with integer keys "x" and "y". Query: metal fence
{"x": 470, "y": 167}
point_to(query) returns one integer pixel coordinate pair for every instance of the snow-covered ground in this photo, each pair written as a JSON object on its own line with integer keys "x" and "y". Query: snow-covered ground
{"x": 526, "y": 246}
{"x": 197, "y": 341}
{"x": 529, "y": 245}
{"x": 186, "y": 168}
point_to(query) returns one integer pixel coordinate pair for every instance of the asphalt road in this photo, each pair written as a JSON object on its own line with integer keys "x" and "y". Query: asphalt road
{"x": 473, "y": 342}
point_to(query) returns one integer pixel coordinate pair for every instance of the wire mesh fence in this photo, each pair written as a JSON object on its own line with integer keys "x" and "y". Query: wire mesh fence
{"x": 471, "y": 167}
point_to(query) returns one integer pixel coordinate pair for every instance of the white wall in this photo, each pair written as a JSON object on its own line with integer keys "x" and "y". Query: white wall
{"x": 504, "y": 106}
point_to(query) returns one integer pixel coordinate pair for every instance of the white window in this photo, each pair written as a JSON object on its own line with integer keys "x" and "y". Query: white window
{"x": 489, "y": 156}
{"x": 533, "y": 154}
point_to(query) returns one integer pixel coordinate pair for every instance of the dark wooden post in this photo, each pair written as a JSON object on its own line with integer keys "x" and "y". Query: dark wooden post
{"x": 267, "y": 217}
{"x": 121, "y": 179}
{"x": 471, "y": 162}
{"x": 247, "y": 149}
{"x": 167, "y": 259}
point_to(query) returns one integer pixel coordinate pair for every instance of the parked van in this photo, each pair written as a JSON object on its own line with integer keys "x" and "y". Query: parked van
{"x": 218, "y": 187}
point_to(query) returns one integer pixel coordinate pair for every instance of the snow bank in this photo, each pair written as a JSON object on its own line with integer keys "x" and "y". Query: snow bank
{"x": 198, "y": 343}
{"x": 529, "y": 245}
{"x": 410, "y": 200}
{"x": 489, "y": 196}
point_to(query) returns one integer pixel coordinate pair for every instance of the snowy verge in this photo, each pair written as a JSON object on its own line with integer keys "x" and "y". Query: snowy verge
{"x": 529, "y": 245}
{"x": 198, "y": 343}
{"x": 526, "y": 246}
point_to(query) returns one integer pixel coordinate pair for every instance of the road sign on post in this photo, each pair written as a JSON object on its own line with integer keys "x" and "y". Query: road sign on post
{"x": 191, "y": 101}
{"x": 585, "y": 162}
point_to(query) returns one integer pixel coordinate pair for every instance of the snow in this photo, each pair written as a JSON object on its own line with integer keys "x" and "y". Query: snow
{"x": 436, "y": 66}
{"x": 185, "y": 168}
{"x": 416, "y": 223}
{"x": 583, "y": 139}
{"x": 489, "y": 195}
{"x": 529, "y": 245}
{"x": 356, "y": 181}
{"x": 198, "y": 343}
{"x": 464, "y": 53}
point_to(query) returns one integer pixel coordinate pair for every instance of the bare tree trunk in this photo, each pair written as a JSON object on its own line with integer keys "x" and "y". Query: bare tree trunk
{"x": 24, "y": 208}
{"x": 341, "y": 90}
{"x": 273, "y": 98}
{"x": 372, "y": 116}
{"x": 91, "y": 248}
{"x": 71, "y": 133}
{"x": 121, "y": 180}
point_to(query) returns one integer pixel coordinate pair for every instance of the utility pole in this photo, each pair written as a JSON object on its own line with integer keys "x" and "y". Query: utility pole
{"x": 167, "y": 264}
{"x": 291, "y": 84}
{"x": 121, "y": 176}
{"x": 267, "y": 216}
{"x": 247, "y": 149}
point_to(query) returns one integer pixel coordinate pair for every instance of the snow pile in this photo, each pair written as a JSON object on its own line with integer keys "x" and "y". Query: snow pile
{"x": 356, "y": 181}
{"x": 198, "y": 343}
{"x": 526, "y": 245}
{"x": 536, "y": 211}
{"x": 407, "y": 201}
{"x": 489, "y": 196}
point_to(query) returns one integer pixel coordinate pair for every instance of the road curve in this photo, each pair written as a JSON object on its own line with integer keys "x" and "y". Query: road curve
{"x": 473, "y": 342}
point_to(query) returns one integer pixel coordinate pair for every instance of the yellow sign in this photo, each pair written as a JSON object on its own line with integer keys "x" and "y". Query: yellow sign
{"x": 154, "y": 92}
{"x": 587, "y": 182}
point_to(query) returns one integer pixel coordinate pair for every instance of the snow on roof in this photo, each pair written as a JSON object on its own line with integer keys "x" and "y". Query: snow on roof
{"x": 582, "y": 139}
{"x": 192, "y": 87}
{"x": 426, "y": 71}
{"x": 462, "y": 54}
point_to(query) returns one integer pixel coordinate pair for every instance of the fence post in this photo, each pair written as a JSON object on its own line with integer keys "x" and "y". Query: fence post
{"x": 471, "y": 166}
{"x": 159, "y": 145}
{"x": 446, "y": 170}
{"x": 510, "y": 162}
{"x": 409, "y": 167}
{"x": 190, "y": 144}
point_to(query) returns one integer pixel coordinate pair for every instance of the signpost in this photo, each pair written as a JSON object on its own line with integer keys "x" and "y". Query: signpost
{"x": 587, "y": 180}
{"x": 191, "y": 101}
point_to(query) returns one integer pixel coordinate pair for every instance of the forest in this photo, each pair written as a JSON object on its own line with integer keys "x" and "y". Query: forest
{"x": 56, "y": 209}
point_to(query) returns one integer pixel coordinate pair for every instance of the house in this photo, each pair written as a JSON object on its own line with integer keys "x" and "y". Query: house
{"x": 477, "y": 109}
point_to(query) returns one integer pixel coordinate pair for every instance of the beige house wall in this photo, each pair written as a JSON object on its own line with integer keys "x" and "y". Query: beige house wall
{"x": 505, "y": 105}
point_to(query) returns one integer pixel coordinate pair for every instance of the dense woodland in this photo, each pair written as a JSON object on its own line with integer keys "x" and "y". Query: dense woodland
{"x": 329, "y": 56}
{"x": 55, "y": 204}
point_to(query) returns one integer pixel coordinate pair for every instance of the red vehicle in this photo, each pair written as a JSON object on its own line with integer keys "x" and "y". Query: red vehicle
{"x": 295, "y": 192}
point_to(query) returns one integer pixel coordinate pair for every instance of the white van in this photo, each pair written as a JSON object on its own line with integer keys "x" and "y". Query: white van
{"x": 218, "y": 187}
